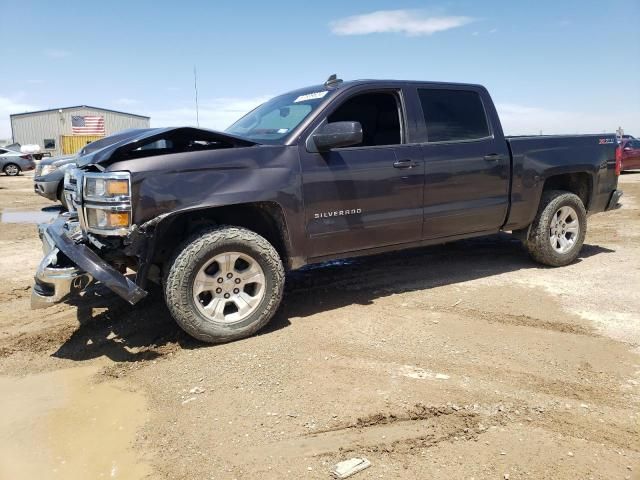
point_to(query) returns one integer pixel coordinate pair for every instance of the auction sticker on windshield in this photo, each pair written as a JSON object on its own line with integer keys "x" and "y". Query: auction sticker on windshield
{"x": 310, "y": 96}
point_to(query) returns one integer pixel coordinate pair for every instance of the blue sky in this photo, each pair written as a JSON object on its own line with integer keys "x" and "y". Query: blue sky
{"x": 551, "y": 66}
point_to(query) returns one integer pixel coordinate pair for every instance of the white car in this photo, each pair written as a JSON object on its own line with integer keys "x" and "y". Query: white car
{"x": 12, "y": 162}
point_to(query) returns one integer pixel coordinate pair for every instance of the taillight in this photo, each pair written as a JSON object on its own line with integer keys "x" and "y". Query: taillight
{"x": 618, "y": 159}
{"x": 26, "y": 157}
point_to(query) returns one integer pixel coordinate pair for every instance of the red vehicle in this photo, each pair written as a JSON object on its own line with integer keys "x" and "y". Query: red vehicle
{"x": 630, "y": 154}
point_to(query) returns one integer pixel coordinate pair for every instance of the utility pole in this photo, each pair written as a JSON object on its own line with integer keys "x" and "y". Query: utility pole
{"x": 195, "y": 87}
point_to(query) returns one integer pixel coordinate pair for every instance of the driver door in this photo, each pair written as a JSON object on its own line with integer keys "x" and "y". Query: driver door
{"x": 367, "y": 195}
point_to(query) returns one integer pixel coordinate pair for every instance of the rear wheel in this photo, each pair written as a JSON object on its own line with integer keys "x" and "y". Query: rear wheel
{"x": 224, "y": 284}
{"x": 11, "y": 169}
{"x": 558, "y": 231}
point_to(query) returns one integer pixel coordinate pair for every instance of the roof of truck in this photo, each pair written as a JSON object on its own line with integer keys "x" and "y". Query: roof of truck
{"x": 373, "y": 81}
{"x": 369, "y": 81}
{"x": 410, "y": 82}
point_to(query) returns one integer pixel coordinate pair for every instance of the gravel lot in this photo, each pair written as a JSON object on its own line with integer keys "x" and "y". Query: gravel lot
{"x": 459, "y": 361}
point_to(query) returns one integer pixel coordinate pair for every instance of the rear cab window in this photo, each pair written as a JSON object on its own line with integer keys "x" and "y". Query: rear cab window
{"x": 453, "y": 115}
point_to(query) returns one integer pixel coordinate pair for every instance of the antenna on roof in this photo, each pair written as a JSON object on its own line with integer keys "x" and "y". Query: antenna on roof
{"x": 332, "y": 81}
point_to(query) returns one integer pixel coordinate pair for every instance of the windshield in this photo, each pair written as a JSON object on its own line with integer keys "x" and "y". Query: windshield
{"x": 272, "y": 121}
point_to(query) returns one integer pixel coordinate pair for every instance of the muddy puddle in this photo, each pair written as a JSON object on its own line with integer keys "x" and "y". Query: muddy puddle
{"x": 63, "y": 425}
{"x": 27, "y": 216}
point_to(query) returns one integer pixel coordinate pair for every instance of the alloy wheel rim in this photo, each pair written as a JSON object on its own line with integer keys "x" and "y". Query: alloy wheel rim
{"x": 564, "y": 229}
{"x": 229, "y": 287}
{"x": 12, "y": 170}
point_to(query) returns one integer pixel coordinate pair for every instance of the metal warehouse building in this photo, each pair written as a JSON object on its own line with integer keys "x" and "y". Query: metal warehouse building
{"x": 66, "y": 130}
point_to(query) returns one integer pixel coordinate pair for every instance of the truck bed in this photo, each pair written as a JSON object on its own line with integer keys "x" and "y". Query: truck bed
{"x": 536, "y": 158}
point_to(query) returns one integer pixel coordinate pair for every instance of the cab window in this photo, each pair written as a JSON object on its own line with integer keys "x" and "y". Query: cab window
{"x": 379, "y": 115}
{"x": 453, "y": 115}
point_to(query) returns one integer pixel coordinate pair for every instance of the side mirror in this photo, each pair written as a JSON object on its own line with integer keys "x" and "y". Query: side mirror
{"x": 338, "y": 134}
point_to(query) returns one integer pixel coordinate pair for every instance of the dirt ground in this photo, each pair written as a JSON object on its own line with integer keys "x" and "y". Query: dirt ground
{"x": 459, "y": 361}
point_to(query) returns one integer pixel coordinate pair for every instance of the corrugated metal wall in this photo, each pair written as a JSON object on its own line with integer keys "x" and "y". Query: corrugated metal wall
{"x": 73, "y": 143}
{"x": 52, "y": 124}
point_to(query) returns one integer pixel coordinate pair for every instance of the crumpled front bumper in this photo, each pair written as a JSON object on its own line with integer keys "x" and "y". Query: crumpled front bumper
{"x": 69, "y": 266}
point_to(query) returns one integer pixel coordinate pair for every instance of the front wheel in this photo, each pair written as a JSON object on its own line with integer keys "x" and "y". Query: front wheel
{"x": 558, "y": 231}
{"x": 61, "y": 197}
{"x": 224, "y": 283}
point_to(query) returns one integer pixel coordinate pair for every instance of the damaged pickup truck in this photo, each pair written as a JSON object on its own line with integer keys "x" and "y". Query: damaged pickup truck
{"x": 336, "y": 170}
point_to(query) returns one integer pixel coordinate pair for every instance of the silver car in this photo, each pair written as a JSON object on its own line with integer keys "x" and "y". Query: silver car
{"x": 49, "y": 177}
{"x": 12, "y": 163}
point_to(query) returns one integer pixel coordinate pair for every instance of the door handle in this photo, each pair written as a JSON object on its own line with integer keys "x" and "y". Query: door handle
{"x": 404, "y": 164}
{"x": 493, "y": 157}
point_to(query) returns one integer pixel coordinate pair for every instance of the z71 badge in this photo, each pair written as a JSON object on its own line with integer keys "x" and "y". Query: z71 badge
{"x": 337, "y": 213}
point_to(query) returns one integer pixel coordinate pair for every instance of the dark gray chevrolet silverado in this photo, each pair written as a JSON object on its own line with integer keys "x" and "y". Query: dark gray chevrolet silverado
{"x": 331, "y": 171}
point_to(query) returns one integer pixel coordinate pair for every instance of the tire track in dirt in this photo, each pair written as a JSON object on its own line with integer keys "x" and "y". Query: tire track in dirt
{"x": 597, "y": 430}
{"x": 520, "y": 320}
{"x": 590, "y": 386}
{"x": 419, "y": 427}
{"x": 15, "y": 293}
{"x": 42, "y": 341}
{"x": 492, "y": 317}
{"x": 595, "y": 389}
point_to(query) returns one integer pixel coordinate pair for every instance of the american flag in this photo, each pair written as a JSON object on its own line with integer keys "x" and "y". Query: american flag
{"x": 87, "y": 125}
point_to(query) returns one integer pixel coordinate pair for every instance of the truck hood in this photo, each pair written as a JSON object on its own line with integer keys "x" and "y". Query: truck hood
{"x": 158, "y": 141}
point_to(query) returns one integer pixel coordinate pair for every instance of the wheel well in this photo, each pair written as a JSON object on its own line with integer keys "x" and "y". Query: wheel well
{"x": 60, "y": 190}
{"x": 577, "y": 183}
{"x": 264, "y": 218}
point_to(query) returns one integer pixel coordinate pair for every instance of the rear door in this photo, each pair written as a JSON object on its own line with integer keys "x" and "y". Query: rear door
{"x": 467, "y": 161}
{"x": 368, "y": 195}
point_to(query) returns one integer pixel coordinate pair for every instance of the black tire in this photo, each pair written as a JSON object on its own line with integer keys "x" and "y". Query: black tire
{"x": 538, "y": 240}
{"x": 14, "y": 172}
{"x": 193, "y": 254}
{"x": 61, "y": 198}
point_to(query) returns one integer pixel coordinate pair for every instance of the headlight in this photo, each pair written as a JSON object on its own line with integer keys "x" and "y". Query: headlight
{"x": 106, "y": 188}
{"x": 107, "y": 219}
{"x": 47, "y": 169}
{"x": 107, "y": 202}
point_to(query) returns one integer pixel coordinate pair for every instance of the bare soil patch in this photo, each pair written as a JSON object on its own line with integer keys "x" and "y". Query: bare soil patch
{"x": 465, "y": 360}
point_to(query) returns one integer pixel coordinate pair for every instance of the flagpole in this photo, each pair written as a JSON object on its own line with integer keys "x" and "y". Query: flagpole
{"x": 195, "y": 87}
